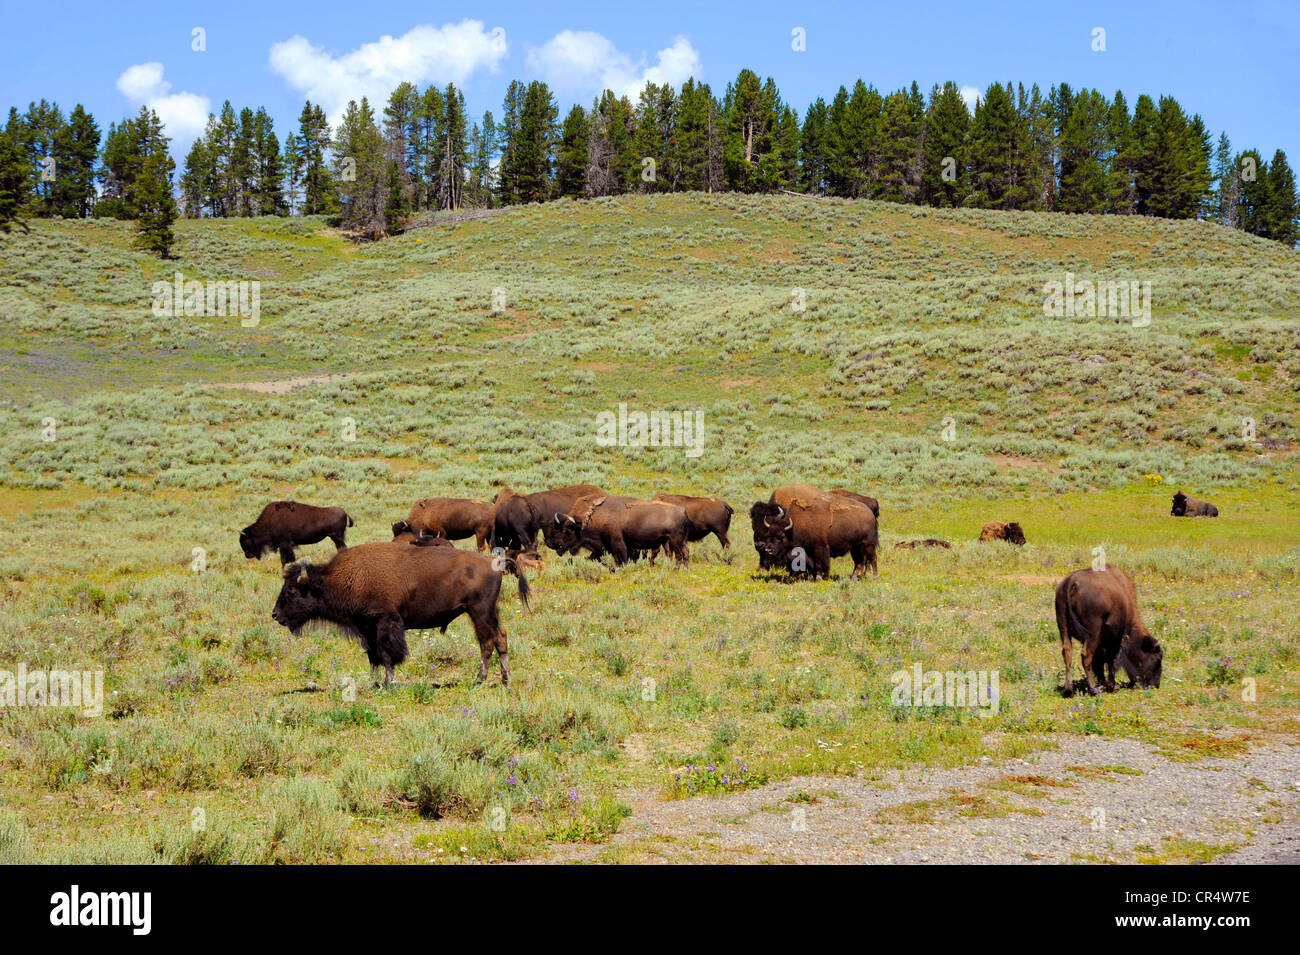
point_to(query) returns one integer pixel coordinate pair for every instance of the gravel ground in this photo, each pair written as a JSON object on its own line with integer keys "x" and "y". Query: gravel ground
{"x": 1092, "y": 800}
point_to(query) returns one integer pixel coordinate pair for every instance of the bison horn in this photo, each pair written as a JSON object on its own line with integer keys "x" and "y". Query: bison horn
{"x": 557, "y": 518}
{"x": 302, "y": 576}
{"x": 780, "y": 511}
{"x": 789, "y": 524}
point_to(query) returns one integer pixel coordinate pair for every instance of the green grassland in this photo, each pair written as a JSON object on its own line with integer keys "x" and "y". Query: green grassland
{"x": 1078, "y": 428}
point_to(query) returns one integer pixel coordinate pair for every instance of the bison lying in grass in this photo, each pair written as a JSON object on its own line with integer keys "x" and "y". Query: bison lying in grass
{"x": 454, "y": 518}
{"x": 802, "y": 527}
{"x": 1185, "y": 506}
{"x": 1099, "y": 609}
{"x": 997, "y": 531}
{"x": 283, "y": 525}
{"x": 376, "y": 592}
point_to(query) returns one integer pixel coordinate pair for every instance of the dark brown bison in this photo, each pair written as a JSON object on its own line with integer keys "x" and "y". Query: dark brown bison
{"x": 454, "y": 518}
{"x": 1099, "y": 609}
{"x": 928, "y": 542}
{"x": 622, "y": 527}
{"x": 802, "y": 527}
{"x": 706, "y": 515}
{"x": 871, "y": 502}
{"x": 376, "y": 592}
{"x": 997, "y": 531}
{"x": 517, "y": 518}
{"x": 283, "y": 525}
{"x": 1185, "y": 506}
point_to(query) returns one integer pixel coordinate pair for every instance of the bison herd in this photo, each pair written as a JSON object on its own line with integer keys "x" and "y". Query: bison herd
{"x": 376, "y": 592}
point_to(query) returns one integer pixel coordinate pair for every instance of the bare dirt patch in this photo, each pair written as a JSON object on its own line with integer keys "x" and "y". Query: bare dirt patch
{"x": 1092, "y": 800}
{"x": 281, "y": 386}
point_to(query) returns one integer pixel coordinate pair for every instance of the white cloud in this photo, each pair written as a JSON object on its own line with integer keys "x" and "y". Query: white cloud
{"x": 183, "y": 114}
{"x": 425, "y": 54}
{"x": 971, "y": 95}
{"x": 581, "y": 60}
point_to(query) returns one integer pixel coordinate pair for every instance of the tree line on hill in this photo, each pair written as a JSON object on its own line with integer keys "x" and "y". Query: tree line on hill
{"x": 1076, "y": 151}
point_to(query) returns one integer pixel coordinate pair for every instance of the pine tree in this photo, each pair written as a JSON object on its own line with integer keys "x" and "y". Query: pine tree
{"x": 1081, "y": 147}
{"x": 1121, "y": 193}
{"x": 76, "y": 148}
{"x": 1282, "y": 206}
{"x": 362, "y": 170}
{"x": 508, "y": 138}
{"x": 813, "y": 149}
{"x": 153, "y": 202}
{"x": 454, "y": 149}
{"x": 196, "y": 173}
{"x": 483, "y": 148}
{"x": 292, "y": 164}
{"x": 1256, "y": 193}
{"x": 268, "y": 167}
{"x": 1227, "y": 190}
{"x": 571, "y": 159}
{"x": 429, "y": 119}
{"x": 41, "y": 127}
{"x": 996, "y": 152}
{"x": 947, "y": 124}
{"x": 314, "y": 139}
{"x": 14, "y": 180}
{"x": 750, "y": 110}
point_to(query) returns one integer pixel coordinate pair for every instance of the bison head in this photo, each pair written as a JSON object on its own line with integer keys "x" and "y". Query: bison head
{"x": 773, "y": 534}
{"x": 1142, "y": 659}
{"x": 564, "y": 534}
{"x": 1180, "y": 505}
{"x": 1014, "y": 534}
{"x": 401, "y": 527}
{"x": 302, "y": 597}
{"x": 252, "y": 547}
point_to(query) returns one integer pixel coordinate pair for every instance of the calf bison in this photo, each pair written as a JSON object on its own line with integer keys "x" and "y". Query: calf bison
{"x": 454, "y": 518}
{"x": 705, "y": 516}
{"x": 516, "y": 518}
{"x": 997, "y": 531}
{"x": 621, "y": 527}
{"x": 1099, "y": 609}
{"x": 283, "y": 525}
{"x": 1185, "y": 506}
{"x": 376, "y": 592}
{"x": 802, "y": 527}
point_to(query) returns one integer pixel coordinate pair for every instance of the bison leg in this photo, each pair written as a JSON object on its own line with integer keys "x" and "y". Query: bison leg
{"x": 1067, "y": 646}
{"x": 821, "y": 562}
{"x": 286, "y": 554}
{"x": 338, "y": 541}
{"x": 503, "y": 655}
{"x": 491, "y": 637}
{"x": 618, "y": 549}
{"x": 390, "y": 646}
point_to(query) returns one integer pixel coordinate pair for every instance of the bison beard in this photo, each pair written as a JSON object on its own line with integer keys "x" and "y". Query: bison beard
{"x": 1099, "y": 609}
{"x": 376, "y": 592}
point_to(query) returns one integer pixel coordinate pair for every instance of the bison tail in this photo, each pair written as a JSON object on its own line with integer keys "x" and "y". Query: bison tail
{"x": 1076, "y": 625}
{"x": 524, "y": 590}
{"x": 351, "y": 522}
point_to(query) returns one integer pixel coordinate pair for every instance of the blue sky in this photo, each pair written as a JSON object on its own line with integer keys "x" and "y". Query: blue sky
{"x": 1235, "y": 64}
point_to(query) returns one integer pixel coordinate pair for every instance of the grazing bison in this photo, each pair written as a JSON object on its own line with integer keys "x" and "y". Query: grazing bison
{"x": 283, "y": 525}
{"x": 802, "y": 522}
{"x": 376, "y": 592}
{"x": 621, "y": 527}
{"x": 516, "y": 518}
{"x": 1099, "y": 609}
{"x": 1185, "y": 506}
{"x": 454, "y": 518}
{"x": 997, "y": 531}
{"x": 871, "y": 502}
{"x": 705, "y": 515}
{"x": 928, "y": 542}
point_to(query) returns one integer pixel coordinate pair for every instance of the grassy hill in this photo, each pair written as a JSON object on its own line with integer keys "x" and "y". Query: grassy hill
{"x": 172, "y": 431}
